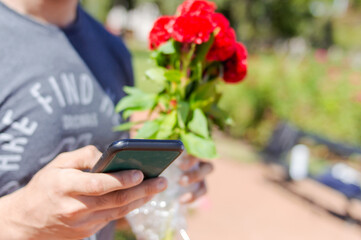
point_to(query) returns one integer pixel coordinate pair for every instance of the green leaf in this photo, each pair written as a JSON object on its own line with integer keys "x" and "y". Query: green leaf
{"x": 173, "y": 75}
{"x": 125, "y": 126}
{"x": 203, "y": 104}
{"x": 199, "y": 123}
{"x": 199, "y": 147}
{"x": 204, "y": 95}
{"x": 204, "y": 91}
{"x": 148, "y": 130}
{"x": 137, "y": 101}
{"x": 156, "y": 75}
{"x": 132, "y": 90}
{"x": 163, "y": 99}
{"x": 183, "y": 112}
{"x": 167, "y": 48}
{"x": 129, "y": 112}
{"x": 220, "y": 117}
{"x": 167, "y": 125}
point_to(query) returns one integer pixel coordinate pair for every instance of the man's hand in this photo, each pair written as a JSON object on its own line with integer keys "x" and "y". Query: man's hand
{"x": 195, "y": 172}
{"x": 63, "y": 202}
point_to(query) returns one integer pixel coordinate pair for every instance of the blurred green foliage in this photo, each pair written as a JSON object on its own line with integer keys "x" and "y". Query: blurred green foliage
{"x": 320, "y": 93}
{"x": 322, "y": 96}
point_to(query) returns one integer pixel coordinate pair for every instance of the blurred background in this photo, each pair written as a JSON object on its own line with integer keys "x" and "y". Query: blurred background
{"x": 290, "y": 165}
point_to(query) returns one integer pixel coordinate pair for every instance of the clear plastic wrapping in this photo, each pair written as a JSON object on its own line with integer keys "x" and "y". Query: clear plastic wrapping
{"x": 163, "y": 218}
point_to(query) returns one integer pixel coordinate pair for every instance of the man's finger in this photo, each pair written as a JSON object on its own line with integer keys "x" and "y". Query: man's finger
{"x": 124, "y": 197}
{"x": 109, "y": 215}
{"x": 96, "y": 184}
{"x": 197, "y": 175}
{"x": 83, "y": 158}
{"x": 193, "y": 196}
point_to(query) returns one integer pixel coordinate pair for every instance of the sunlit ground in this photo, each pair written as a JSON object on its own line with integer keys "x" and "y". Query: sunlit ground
{"x": 248, "y": 200}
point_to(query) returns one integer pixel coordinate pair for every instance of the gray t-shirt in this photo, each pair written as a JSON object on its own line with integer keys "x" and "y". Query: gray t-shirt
{"x": 50, "y": 102}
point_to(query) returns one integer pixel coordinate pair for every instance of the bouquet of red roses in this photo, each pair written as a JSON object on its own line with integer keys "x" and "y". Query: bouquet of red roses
{"x": 195, "y": 51}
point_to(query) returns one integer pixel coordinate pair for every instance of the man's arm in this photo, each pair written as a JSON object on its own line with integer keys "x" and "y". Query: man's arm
{"x": 64, "y": 202}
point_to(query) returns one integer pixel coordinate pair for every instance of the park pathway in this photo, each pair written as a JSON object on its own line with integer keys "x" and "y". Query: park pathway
{"x": 243, "y": 205}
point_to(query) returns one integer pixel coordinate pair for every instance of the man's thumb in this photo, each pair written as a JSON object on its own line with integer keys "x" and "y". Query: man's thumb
{"x": 82, "y": 158}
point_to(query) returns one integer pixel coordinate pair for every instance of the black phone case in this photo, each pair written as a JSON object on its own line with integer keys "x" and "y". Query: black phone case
{"x": 149, "y": 156}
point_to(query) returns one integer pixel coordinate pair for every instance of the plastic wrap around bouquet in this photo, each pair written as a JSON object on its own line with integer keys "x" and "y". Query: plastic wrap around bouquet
{"x": 195, "y": 53}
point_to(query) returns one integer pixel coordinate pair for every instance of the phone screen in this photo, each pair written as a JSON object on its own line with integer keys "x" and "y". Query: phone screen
{"x": 151, "y": 163}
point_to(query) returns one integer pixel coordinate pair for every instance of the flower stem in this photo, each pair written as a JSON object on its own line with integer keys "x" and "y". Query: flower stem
{"x": 188, "y": 59}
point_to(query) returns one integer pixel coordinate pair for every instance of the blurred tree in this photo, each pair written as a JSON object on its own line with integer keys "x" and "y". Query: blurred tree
{"x": 287, "y": 17}
{"x": 259, "y": 23}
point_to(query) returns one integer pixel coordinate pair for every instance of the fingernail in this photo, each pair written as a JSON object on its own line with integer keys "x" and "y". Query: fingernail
{"x": 184, "y": 180}
{"x": 136, "y": 176}
{"x": 161, "y": 184}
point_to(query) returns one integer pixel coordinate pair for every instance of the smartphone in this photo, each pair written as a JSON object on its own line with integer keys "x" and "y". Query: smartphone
{"x": 151, "y": 157}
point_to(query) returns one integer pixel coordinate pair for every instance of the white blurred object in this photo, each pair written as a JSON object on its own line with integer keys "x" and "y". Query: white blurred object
{"x": 323, "y": 9}
{"x": 141, "y": 19}
{"x": 300, "y": 155}
{"x": 318, "y": 9}
{"x": 117, "y": 19}
{"x": 355, "y": 60}
{"x": 346, "y": 174}
{"x": 184, "y": 234}
{"x": 336, "y": 53}
{"x": 295, "y": 48}
{"x": 340, "y": 7}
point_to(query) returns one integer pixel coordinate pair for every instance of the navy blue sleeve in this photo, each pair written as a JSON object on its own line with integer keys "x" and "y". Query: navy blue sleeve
{"x": 105, "y": 54}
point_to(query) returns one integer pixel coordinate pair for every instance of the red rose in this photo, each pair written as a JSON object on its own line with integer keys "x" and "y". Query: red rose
{"x": 161, "y": 31}
{"x": 235, "y": 68}
{"x": 196, "y": 7}
{"x": 220, "y": 21}
{"x": 225, "y": 41}
{"x": 223, "y": 47}
{"x": 189, "y": 28}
